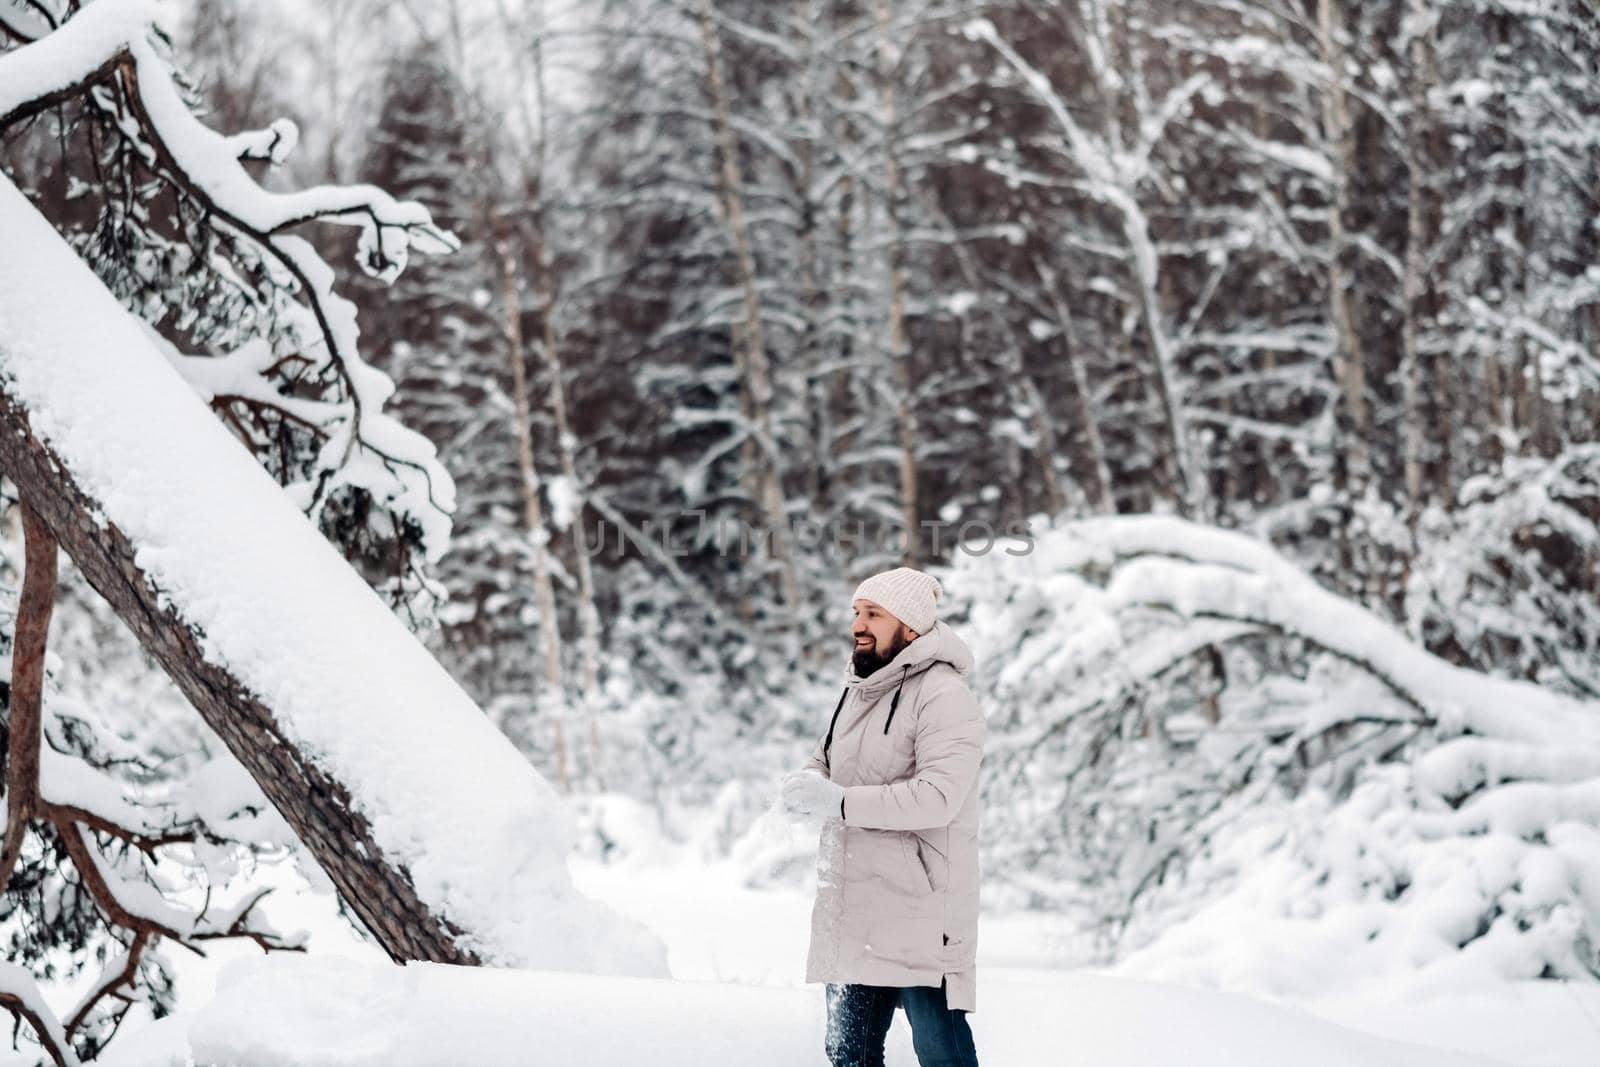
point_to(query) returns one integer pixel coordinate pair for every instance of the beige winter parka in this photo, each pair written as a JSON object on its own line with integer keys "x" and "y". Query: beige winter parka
{"x": 897, "y": 885}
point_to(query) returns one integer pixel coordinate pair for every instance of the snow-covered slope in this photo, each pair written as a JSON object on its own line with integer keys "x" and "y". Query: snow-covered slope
{"x": 485, "y": 839}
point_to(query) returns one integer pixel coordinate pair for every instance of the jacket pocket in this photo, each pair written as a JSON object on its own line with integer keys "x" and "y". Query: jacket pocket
{"x": 911, "y": 845}
{"x": 934, "y": 863}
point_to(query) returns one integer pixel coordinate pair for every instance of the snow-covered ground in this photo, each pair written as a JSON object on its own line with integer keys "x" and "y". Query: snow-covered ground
{"x": 310, "y": 1012}
{"x": 738, "y": 996}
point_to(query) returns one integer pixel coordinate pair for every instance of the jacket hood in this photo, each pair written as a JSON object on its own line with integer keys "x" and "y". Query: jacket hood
{"x": 939, "y": 645}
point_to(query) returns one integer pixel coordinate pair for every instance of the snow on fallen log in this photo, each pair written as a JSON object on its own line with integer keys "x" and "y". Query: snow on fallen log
{"x": 435, "y": 830}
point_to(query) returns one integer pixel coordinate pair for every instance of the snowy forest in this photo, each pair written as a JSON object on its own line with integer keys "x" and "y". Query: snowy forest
{"x": 1234, "y": 364}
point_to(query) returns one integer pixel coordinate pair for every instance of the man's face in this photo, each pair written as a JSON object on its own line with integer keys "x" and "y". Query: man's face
{"x": 877, "y": 637}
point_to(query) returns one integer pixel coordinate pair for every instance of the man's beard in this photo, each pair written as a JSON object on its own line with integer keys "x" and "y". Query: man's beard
{"x": 867, "y": 660}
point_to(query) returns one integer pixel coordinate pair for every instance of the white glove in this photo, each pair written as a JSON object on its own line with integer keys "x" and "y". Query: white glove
{"x": 809, "y": 793}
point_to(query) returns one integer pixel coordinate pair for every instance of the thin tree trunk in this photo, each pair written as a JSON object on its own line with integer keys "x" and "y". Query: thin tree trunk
{"x": 752, "y": 361}
{"x": 1099, "y": 469}
{"x": 1349, "y": 357}
{"x": 1536, "y": 441}
{"x": 899, "y": 349}
{"x": 1416, "y": 282}
{"x": 810, "y": 353}
{"x": 846, "y": 379}
{"x": 1191, "y": 494}
{"x": 588, "y": 614}
{"x": 532, "y": 175}
{"x": 1448, "y": 393}
{"x": 532, "y": 510}
{"x": 566, "y": 443}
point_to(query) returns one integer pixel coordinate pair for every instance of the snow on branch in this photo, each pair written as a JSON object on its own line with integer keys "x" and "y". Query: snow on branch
{"x": 113, "y": 54}
{"x": 1201, "y": 571}
{"x": 274, "y": 144}
{"x": 120, "y": 35}
{"x": 19, "y": 994}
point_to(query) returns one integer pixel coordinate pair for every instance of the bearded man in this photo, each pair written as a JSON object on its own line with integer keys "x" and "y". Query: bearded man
{"x": 895, "y": 924}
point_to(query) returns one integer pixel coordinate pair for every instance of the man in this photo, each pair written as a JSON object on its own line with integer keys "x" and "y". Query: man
{"x": 896, "y": 917}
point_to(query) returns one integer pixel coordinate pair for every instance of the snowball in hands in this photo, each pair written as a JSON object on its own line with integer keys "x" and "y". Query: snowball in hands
{"x": 809, "y": 793}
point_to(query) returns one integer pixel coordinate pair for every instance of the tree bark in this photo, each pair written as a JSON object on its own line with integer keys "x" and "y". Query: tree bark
{"x": 27, "y": 686}
{"x": 1095, "y": 463}
{"x": 378, "y": 889}
{"x": 566, "y": 448}
{"x": 1418, "y": 174}
{"x": 899, "y": 349}
{"x": 566, "y": 442}
{"x": 754, "y": 372}
{"x": 532, "y": 511}
{"x": 1349, "y": 360}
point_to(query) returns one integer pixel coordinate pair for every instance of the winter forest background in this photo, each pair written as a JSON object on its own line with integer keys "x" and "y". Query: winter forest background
{"x": 1235, "y": 363}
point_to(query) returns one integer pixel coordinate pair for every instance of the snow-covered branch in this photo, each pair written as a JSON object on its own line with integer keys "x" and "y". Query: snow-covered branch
{"x": 113, "y": 53}
{"x": 19, "y": 994}
{"x": 1164, "y": 652}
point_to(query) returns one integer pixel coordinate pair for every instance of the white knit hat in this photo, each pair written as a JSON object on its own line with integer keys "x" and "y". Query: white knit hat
{"x": 909, "y": 595}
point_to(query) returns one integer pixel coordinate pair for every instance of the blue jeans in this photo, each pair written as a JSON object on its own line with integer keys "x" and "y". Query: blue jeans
{"x": 859, "y": 1018}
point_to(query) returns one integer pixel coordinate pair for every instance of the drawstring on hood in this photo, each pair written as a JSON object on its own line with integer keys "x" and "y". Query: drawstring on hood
{"x": 940, "y": 644}
{"x": 895, "y": 703}
{"x": 828, "y": 741}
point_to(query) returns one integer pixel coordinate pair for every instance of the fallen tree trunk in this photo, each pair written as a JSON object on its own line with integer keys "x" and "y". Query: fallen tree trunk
{"x": 377, "y": 889}
{"x": 437, "y": 833}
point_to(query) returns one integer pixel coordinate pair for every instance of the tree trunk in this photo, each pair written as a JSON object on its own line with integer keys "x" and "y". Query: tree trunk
{"x": 566, "y": 443}
{"x": 317, "y": 807}
{"x": 809, "y": 136}
{"x": 1418, "y": 173}
{"x": 566, "y": 448}
{"x": 1099, "y": 470}
{"x": 899, "y": 350}
{"x": 754, "y": 373}
{"x": 532, "y": 510}
{"x": 846, "y": 380}
{"x": 1349, "y": 361}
